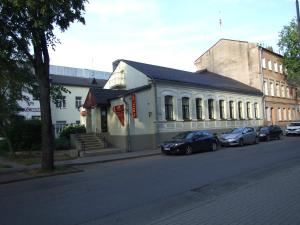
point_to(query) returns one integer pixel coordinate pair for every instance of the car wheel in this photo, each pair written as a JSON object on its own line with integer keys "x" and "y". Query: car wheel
{"x": 241, "y": 142}
{"x": 268, "y": 138}
{"x": 188, "y": 150}
{"x": 214, "y": 146}
{"x": 279, "y": 137}
{"x": 165, "y": 152}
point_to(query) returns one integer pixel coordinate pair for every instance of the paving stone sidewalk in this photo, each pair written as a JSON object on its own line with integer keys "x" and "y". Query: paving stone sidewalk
{"x": 273, "y": 200}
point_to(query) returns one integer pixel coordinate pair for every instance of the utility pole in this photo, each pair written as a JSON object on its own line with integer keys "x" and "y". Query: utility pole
{"x": 298, "y": 19}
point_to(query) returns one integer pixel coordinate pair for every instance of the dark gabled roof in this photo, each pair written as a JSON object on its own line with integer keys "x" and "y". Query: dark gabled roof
{"x": 76, "y": 81}
{"x": 98, "y": 96}
{"x": 203, "y": 79}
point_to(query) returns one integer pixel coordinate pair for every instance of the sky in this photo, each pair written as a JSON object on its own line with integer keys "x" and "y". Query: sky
{"x": 170, "y": 33}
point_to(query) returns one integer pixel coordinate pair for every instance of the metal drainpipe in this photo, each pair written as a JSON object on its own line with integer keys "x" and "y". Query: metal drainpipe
{"x": 128, "y": 125}
{"x": 157, "y": 136}
{"x": 262, "y": 82}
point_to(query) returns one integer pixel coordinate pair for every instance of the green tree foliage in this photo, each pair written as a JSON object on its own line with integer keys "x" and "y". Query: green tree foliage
{"x": 25, "y": 134}
{"x": 15, "y": 79}
{"x": 290, "y": 46}
{"x": 27, "y": 27}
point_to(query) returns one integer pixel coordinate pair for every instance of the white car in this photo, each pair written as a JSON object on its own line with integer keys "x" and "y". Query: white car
{"x": 293, "y": 128}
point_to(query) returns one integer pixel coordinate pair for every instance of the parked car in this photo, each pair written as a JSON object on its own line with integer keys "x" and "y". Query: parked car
{"x": 239, "y": 136}
{"x": 190, "y": 142}
{"x": 269, "y": 132}
{"x": 293, "y": 128}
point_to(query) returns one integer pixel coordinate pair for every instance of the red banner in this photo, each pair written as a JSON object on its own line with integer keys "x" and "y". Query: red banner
{"x": 133, "y": 103}
{"x": 119, "y": 111}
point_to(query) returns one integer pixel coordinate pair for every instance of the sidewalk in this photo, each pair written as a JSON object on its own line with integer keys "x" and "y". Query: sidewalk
{"x": 266, "y": 199}
{"x": 14, "y": 171}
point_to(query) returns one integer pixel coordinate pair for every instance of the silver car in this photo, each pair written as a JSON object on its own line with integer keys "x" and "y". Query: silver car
{"x": 239, "y": 136}
{"x": 293, "y": 128}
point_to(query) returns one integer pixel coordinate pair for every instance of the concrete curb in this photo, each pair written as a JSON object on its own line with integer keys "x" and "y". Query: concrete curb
{"x": 29, "y": 177}
{"x": 65, "y": 163}
{"x": 109, "y": 160}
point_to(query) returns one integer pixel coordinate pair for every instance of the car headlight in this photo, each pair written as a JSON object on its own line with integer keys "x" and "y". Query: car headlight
{"x": 231, "y": 139}
{"x": 177, "y": 144}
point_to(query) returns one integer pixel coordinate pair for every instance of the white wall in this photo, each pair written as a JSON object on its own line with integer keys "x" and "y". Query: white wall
{"x": 126, "y": 77}
{"x": 192, "y": 92}
{"x": 70, "y": 113}
{"x": 143, "y": 124}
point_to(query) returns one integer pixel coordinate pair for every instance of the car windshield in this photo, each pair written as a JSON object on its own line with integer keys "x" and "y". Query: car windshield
{"x": 236, "y": 131}
{"x": 264, "y": 129}
{"x": 184, "y": 135}
{"x": 295, "y": 124}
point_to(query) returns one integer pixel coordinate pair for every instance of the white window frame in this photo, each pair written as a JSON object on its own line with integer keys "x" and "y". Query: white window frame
{"x": 275, "y": 67}
{"x": 269, "y": 65}
{"x": 263, "y": 62}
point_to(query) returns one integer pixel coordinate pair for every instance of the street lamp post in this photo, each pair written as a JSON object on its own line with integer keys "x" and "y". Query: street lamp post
{"x": 298, "y": 19}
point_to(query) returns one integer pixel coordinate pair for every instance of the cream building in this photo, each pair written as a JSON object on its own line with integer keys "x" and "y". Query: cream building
{"x": 67, "y": 111}
{"x": 258, "y": 67}
{"x": 142, "y": 105}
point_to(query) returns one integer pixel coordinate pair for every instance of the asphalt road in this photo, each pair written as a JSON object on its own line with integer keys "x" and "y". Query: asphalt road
{"x": 138, "y": 191}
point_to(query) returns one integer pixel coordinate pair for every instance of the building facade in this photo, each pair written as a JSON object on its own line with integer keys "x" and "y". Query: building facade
{"x": 153, "y": 103}
{"x": 67, "y": 109}
{"x": 260, "y": 68}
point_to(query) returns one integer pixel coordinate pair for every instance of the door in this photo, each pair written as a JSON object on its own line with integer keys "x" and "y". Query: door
{"x": 103, "y": 119}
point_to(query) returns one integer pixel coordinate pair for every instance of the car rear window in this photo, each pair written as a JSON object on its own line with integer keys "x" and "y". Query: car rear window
{"x": 295, "y": 124}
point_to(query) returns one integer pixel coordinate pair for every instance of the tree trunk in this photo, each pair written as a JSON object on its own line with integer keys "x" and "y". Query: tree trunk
{"x": 41, "y": 67}
{"x": 47, "y": 131}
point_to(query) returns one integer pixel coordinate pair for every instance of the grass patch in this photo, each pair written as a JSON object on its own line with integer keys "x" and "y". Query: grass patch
{"x": 30, "y": 158}
{"x": 57, "y": 170}
{"x": 4, "y": 166}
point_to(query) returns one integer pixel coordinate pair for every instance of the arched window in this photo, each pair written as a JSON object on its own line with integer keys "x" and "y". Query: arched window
{"x": 279, "y": 114}
{"x": 266, "y": 91}
{"x": 231, "y": 109}
{"x": 211, "y": 109}
{"x": 256, "y": 110}
{"x": 222, "y": 109}
{"x": 282, "y": 91}
{"x": 240, "y": 109}
{"x": 169, "y": 107}
{"x": 277, "y": 90}
{"x": 185, "y": 108}
{"x": 271, "y": 88}
{"x": 199, "y": 109}
{"x": 248, "y": 110}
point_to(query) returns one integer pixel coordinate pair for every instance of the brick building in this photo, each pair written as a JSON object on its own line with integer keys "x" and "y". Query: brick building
{"x": 258, "y": 67}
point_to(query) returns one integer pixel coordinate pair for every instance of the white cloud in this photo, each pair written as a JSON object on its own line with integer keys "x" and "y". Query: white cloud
{"x": 118, "y": 7}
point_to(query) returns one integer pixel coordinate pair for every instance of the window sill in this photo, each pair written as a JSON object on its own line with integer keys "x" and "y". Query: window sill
{"x": 170, "y": 120}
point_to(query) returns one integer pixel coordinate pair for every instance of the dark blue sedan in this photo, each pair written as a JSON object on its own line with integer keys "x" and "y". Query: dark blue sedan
{"x": 190, "y": 142}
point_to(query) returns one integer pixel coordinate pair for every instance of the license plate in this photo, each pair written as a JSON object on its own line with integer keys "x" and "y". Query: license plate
{"x": 166, "y": 148}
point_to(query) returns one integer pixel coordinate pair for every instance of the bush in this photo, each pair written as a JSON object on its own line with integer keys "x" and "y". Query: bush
{"x": 62, "y": 144}
{"x": 72, "y": 129}
{"x": 3, "y": 147}
{"x": 25, "y": 135}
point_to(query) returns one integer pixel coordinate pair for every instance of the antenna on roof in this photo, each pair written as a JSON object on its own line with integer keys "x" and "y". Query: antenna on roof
{"x": 220, "y": 24}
